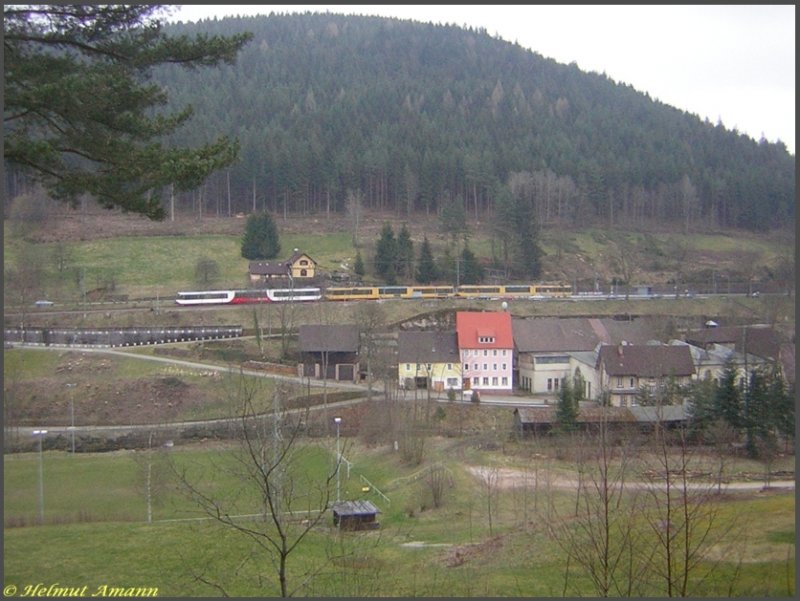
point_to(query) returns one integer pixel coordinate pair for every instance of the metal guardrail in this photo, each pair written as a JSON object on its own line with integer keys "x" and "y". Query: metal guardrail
{"x": 115, "y": 337}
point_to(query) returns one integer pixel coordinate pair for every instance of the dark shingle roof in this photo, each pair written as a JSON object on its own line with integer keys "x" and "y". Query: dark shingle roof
{"x": 354, "y": 508}
{"x": 553, "y": 334}
{"x": 269, "y": 268}
{"x": 427, "y": 347}
{"x": 648, "y": 361}
{"x": 336, "y": 339}
{"x": 761, "y": 341}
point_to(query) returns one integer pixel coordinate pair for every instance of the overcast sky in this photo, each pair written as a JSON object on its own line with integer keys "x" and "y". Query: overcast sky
{"x": 731, "y": 63}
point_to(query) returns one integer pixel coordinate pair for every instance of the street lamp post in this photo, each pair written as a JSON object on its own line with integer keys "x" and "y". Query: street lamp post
{"x": 72, "y": 415}
{"x": 337, "y": 420}
{"x": 41, "y": 434}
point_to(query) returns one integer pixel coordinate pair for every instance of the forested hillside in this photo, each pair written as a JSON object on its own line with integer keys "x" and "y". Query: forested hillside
{"x": 405, "y": 117}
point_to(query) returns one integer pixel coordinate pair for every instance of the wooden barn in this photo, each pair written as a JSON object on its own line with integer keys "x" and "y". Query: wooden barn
{"x": 329, "y": 352}
{"x": 355, "y": 515}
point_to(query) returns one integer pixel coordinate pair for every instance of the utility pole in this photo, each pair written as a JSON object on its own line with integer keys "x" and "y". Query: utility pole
{"x": 71, "y": 386}
{"x": 40, "y": 434}
{"x": 337, "y": 420}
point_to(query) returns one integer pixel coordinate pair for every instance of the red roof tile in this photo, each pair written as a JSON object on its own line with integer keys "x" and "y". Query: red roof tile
{"x": 472, "y": 324}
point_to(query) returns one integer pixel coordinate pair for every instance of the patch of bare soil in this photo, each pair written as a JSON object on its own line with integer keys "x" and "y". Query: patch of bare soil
{"x": 460, "y": 554}
{"x": 505, "y": 478}
{"x": 102, "y": 398}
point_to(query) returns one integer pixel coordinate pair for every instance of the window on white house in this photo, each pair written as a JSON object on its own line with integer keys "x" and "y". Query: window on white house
{"x": 619, "y": 382}
{"x": 505, "y": 381}
{"x": 485, "y": 381}
{"x": 494, "y": 381}
{"x": 631, "y": 382}
{"x": 476, "y": 381}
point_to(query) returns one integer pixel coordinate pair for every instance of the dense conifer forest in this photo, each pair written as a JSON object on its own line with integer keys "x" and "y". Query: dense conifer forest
{"x": 407, "y": 117}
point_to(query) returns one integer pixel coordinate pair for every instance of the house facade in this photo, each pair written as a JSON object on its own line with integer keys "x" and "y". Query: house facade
{"x": 624, "y": 370}
{"x": 486, "y": 348}
{"x": 428, "y": 360}
{"x": 300, "y": 266}
{"x": 329, "y": 352}
{"x": 549, "y": 349}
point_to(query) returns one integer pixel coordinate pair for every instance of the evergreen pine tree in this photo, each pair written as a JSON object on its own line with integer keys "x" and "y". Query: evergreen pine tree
{"x": 386, "y": 255}
{"x": 260, "y": 240}
{"x": 405, "y": 254}
{"x": 728, "y": 400}
{"x": 358, "y": 266}
{"x": 526, "y": 232}
{"x": 757, "y": 413}
{"x": 471, "y": 270}
{"x": 81, "y": 114}
{"x": 567, "y": 407}
{"x": 426, "y": 268}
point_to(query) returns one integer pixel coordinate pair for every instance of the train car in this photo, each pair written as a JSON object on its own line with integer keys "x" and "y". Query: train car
{"x": 205, "y": 297}
{"x": 482, "y": 291}
{"x": 351, "y": 293}
{"x": 389, "y": 292}
{"x": 283, "y": 295}
{"x": 430, "y": 292}
{"x": 517, "y": 291}
{"x": 553, "y": 290}
{"x": 246, "y": 297}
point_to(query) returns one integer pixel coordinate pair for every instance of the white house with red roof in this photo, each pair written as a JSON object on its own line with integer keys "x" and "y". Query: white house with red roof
{"x": 486, "y": 347}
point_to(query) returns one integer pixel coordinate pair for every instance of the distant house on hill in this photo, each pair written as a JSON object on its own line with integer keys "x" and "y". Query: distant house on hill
{"x": 300, "y": 266}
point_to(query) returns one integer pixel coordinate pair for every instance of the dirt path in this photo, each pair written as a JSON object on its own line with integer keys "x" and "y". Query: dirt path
{"x": 506, "y": 478}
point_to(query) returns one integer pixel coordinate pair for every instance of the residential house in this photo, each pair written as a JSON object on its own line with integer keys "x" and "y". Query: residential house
{"x": 486, "y": 347}
{"x": 625, "y": 369}
{"x": 428, "y": 360}
{"x": 710, "y": 361}
{"x": 549, "y": 349}
{"x": 329, "y": 352}
{"x": 759, "y": 340}
{"x": 299, "y": 266}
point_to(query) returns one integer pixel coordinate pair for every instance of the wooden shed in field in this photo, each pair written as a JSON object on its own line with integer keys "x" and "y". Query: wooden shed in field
{"x": 355, "y": 515}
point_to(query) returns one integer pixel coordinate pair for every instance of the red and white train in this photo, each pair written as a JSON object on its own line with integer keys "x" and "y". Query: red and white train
{"x": 243, "y": 297}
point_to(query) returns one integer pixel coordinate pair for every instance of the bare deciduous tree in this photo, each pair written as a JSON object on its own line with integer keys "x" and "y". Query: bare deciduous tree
{"x": 291, "y": 501}
{"x": 601, "y": 537}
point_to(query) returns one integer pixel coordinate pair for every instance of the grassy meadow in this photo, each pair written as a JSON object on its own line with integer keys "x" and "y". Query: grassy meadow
{"x": 96, "y": 532}
{"x": 482, "y": 539}
{"x": 143, "y": 265}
